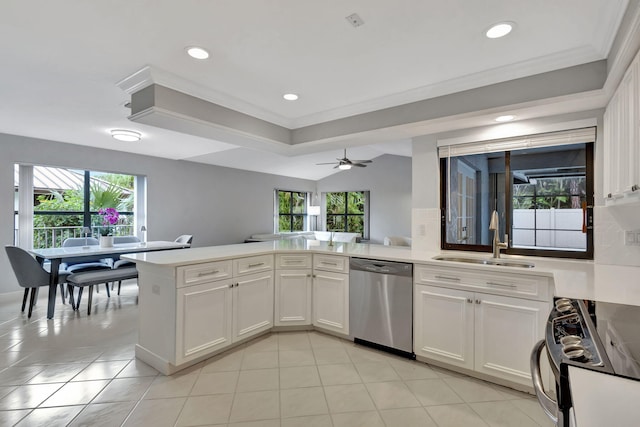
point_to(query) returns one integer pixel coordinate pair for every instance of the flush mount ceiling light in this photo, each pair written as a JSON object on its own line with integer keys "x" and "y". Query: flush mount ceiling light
{"x": 344, "y": 167}
{"x": 290, "y": 96}
{"x": 505, "y": 118}
{"x": 500, "y": 29}
{"x": 126, "y": 135}
{"x": 197, "y": 52}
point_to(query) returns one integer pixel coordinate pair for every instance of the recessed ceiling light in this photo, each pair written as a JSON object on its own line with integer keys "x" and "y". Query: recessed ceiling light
{"x": 506, "y": 118}
{"x": 126, "y": 135}
{"x": 197, "y": 52}
{"x": 290, "y": 96}
{"x": 500, "y": 29}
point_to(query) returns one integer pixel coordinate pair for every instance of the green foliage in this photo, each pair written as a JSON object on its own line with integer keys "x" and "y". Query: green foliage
{"x": 349, "y": 205}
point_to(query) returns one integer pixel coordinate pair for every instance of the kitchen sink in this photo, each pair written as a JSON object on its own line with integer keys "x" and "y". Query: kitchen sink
{"x": 485, "y": 261}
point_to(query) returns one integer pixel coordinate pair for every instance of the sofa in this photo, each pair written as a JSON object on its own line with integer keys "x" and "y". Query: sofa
{"x": 324, "y": 236}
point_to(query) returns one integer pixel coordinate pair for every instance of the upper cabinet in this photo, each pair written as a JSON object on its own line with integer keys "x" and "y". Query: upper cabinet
{"x": 622, "y": 140}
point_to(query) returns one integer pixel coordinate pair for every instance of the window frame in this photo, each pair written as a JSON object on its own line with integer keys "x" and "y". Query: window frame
{"x": 346, "y": 214}
{"x": 587, "y": 254}
{"x": 290, "y": 214}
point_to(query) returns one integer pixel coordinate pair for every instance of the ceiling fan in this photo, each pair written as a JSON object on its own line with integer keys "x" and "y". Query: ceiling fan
{"x": 345, "y": 164}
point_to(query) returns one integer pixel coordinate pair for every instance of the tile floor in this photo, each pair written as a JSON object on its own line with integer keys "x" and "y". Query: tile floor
{"x": 80, "y": 370}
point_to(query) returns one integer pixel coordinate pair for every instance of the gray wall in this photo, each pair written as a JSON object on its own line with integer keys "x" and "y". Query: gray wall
{"x": 217, "y": 205}
{"x": 388, "y": 179}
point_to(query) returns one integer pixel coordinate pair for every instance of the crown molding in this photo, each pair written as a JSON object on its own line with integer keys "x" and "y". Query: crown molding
{"x": 623, "y": 56}
{"x": 605, "y": 34}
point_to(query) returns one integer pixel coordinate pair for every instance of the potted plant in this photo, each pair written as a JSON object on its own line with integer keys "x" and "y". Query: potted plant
{"x": 109, "y": 218}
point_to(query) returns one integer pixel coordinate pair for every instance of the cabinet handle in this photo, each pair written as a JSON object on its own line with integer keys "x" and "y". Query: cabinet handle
{"x": 258, "y": 264}
{"x": 478, "y": 301}
{"x": 504, "y": 285}
{"x": 208, "y": 273}
{"x": 335, "y": 264}
{"x": 455, "y": 279}
{"x": 231, "y": 285}
{"x": 635, "y": 187}
{"x": 469, "y": 300}
{"x": 308, "y": 275}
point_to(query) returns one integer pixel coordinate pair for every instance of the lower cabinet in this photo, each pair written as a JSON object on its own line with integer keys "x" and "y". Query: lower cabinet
{"x": 490, "y": 334}
{"x": 252, "y": 305}
{"x": 331, "y": 301}
{"x": 293, "y": 297}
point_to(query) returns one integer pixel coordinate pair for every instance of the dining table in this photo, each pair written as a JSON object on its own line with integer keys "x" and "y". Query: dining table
{"x": 58, "y": 254}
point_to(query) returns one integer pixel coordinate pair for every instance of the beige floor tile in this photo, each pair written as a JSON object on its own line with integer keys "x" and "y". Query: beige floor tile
{"x": 407, "y": 417}
{"x": 216, "y": 383}
{"x": 258, "y": 380}
{"x": 348, "y": 398}
{"x": 473, "y": 390}
{"x": 101, "y": 370}
{"x": 289, "y": 358}
{"x": 177, "y": 385}
{"x": 28, "y": 396}
{"x": 392, "y": 394}
{"x": 298, "y": 402}
{"x": 455, "y": 416}
{"x": 376, "y": 372}
{"x": 227, "y": 361}
{"x": 6, "y": 390}
{"x": 261, "y": 423}
{"x": 359, "y": 354}
{"x": 331, "y": 356}
{"x": 124, "y": 390}
{"x": 9, "y": 418}
{"x": 260, "y": 360}
{"x": 137, "y": 368}
{"x": 123, "y": 352}
{"x": 413, "y": 370}
{"x": 357, "y": 419}
{"x": 47, "y": 417}
{"x": 267, "y": 342}
{"x": 255, "y": 405}
{"x": 202, "y": 410}
{"x": 155, "y": 413}
{"x": 433, "y": 392}
{"x": 339, "y": 374}
{"x": 58, "y": 373}
{"x": 299, "y": 376}
{"x": 502, "y": 414}
{"x": 76, "y": 393}
{"x": 311, "y": 421}
{"x": 103, "y": 414}
{"x": 320, "y": 340}
{"x": 532, "y": 408}
{"x": 18, "y": 375}
{"x": 293, "y": 341}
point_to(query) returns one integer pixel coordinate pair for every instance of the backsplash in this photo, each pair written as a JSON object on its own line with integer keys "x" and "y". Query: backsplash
{"x": 610, "y": 224}
{"x": 425, "y": 229}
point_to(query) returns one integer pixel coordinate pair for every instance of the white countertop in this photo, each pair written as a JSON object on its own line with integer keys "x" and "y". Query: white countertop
{"x": 572, "y": 278}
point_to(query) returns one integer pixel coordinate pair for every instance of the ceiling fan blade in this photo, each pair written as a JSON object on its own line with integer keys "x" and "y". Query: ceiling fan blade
{"x": 361, "y": 161}
{"x": 360, "y": 165}
{"x": 330, "y": 163}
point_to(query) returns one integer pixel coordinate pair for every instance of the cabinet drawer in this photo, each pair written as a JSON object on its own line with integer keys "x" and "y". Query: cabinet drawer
{"x": 293, "y": 261}
{"x": 254, "y": 264}
{"x": 201, "y": 273}
{"x": 335, "y": 263}
{"x": 493, "y": 282}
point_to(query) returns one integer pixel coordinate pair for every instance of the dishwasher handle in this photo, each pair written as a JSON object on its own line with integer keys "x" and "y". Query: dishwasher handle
{"x": 381, "y": 267}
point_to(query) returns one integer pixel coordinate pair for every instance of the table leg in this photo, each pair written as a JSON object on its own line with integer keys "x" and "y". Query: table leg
{"x": 53, "y": 285}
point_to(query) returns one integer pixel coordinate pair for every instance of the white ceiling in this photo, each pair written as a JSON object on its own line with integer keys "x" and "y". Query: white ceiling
{"x": 62, "y": 62}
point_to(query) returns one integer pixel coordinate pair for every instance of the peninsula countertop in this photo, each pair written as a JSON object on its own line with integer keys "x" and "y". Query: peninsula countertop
{"x": 571, "y": 278}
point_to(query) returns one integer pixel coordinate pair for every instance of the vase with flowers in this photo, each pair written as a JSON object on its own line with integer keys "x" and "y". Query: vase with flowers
{"x": 109, "y": 219}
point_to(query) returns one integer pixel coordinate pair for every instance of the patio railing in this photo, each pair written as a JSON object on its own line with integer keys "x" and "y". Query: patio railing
{"x": 47, "y": 237}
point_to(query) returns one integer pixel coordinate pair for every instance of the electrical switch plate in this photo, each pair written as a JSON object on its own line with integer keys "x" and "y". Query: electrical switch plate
{"x": 630, "y": 238}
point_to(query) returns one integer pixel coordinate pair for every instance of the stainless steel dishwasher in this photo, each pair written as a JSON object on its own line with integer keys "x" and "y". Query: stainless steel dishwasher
{"x": 381, "y": 305}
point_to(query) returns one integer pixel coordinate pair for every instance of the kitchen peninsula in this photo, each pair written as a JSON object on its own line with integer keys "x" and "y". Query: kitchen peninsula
{"x": 197, "y": 302}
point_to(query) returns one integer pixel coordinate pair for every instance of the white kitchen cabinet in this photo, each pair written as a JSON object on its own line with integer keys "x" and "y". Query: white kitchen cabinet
{"x": 293, "y": 289}
{"x": 203, "y": 319}
{"x": 331, "y": 293}
{"x": 622, "y": 140}
{"x": 485, "y": 322}
{"x": 252, "y": 305}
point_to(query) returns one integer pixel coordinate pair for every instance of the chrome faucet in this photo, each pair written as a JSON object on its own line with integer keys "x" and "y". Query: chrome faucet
{"x": 497, "y": 244}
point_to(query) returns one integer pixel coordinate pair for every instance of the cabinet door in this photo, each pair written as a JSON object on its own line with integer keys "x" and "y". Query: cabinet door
{"x": 252, "y": 305}
{"x": 293, "y": 297}
{"x": 203, "y": 319}
{"x": 443, "y": 325}
{"x": 331, "y": 301}
{"x": 506, "y": 330}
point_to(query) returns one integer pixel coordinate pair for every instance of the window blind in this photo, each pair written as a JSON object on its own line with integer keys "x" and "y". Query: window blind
{"x": 566, "y": 137}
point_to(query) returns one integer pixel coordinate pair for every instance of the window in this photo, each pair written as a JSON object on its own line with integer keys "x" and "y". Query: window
{"x": 291, "y": 211}
{"x": 348, "y": 211}
{"x": 540, "y": 188}
{"x": 61, "y": 202}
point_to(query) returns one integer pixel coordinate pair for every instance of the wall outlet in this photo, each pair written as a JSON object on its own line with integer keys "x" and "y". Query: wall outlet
{"x": 632, "y": 238}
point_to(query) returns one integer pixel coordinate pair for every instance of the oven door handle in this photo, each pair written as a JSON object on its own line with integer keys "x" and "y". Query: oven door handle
{"x": 549, "y": 405}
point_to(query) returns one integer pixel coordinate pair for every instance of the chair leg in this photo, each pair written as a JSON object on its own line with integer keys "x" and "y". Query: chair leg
{"x": 79, "y": 297}
{"x": 31, "y": 301}
{"x": 90, "y": 298}
{"x": 106, "y": 285}
{"x": 70, "y": 293}
{"x": 24, "y": 298}
{"x": 62, "y": 294}
{"x": 119, "y": 284}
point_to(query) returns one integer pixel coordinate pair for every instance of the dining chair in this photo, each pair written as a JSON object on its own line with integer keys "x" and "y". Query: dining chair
{"x": 30, "y": 274}
{"x": 76, "y": 265}
{"x": 122, "y": 263}
{"x": 185, "y": 238}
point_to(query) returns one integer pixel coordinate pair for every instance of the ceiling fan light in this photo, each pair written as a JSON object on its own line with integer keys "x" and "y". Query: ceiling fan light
{"x": 344, "y": 167}
{"x": 126, "y": 135}
{"x": 290, "y": 96}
